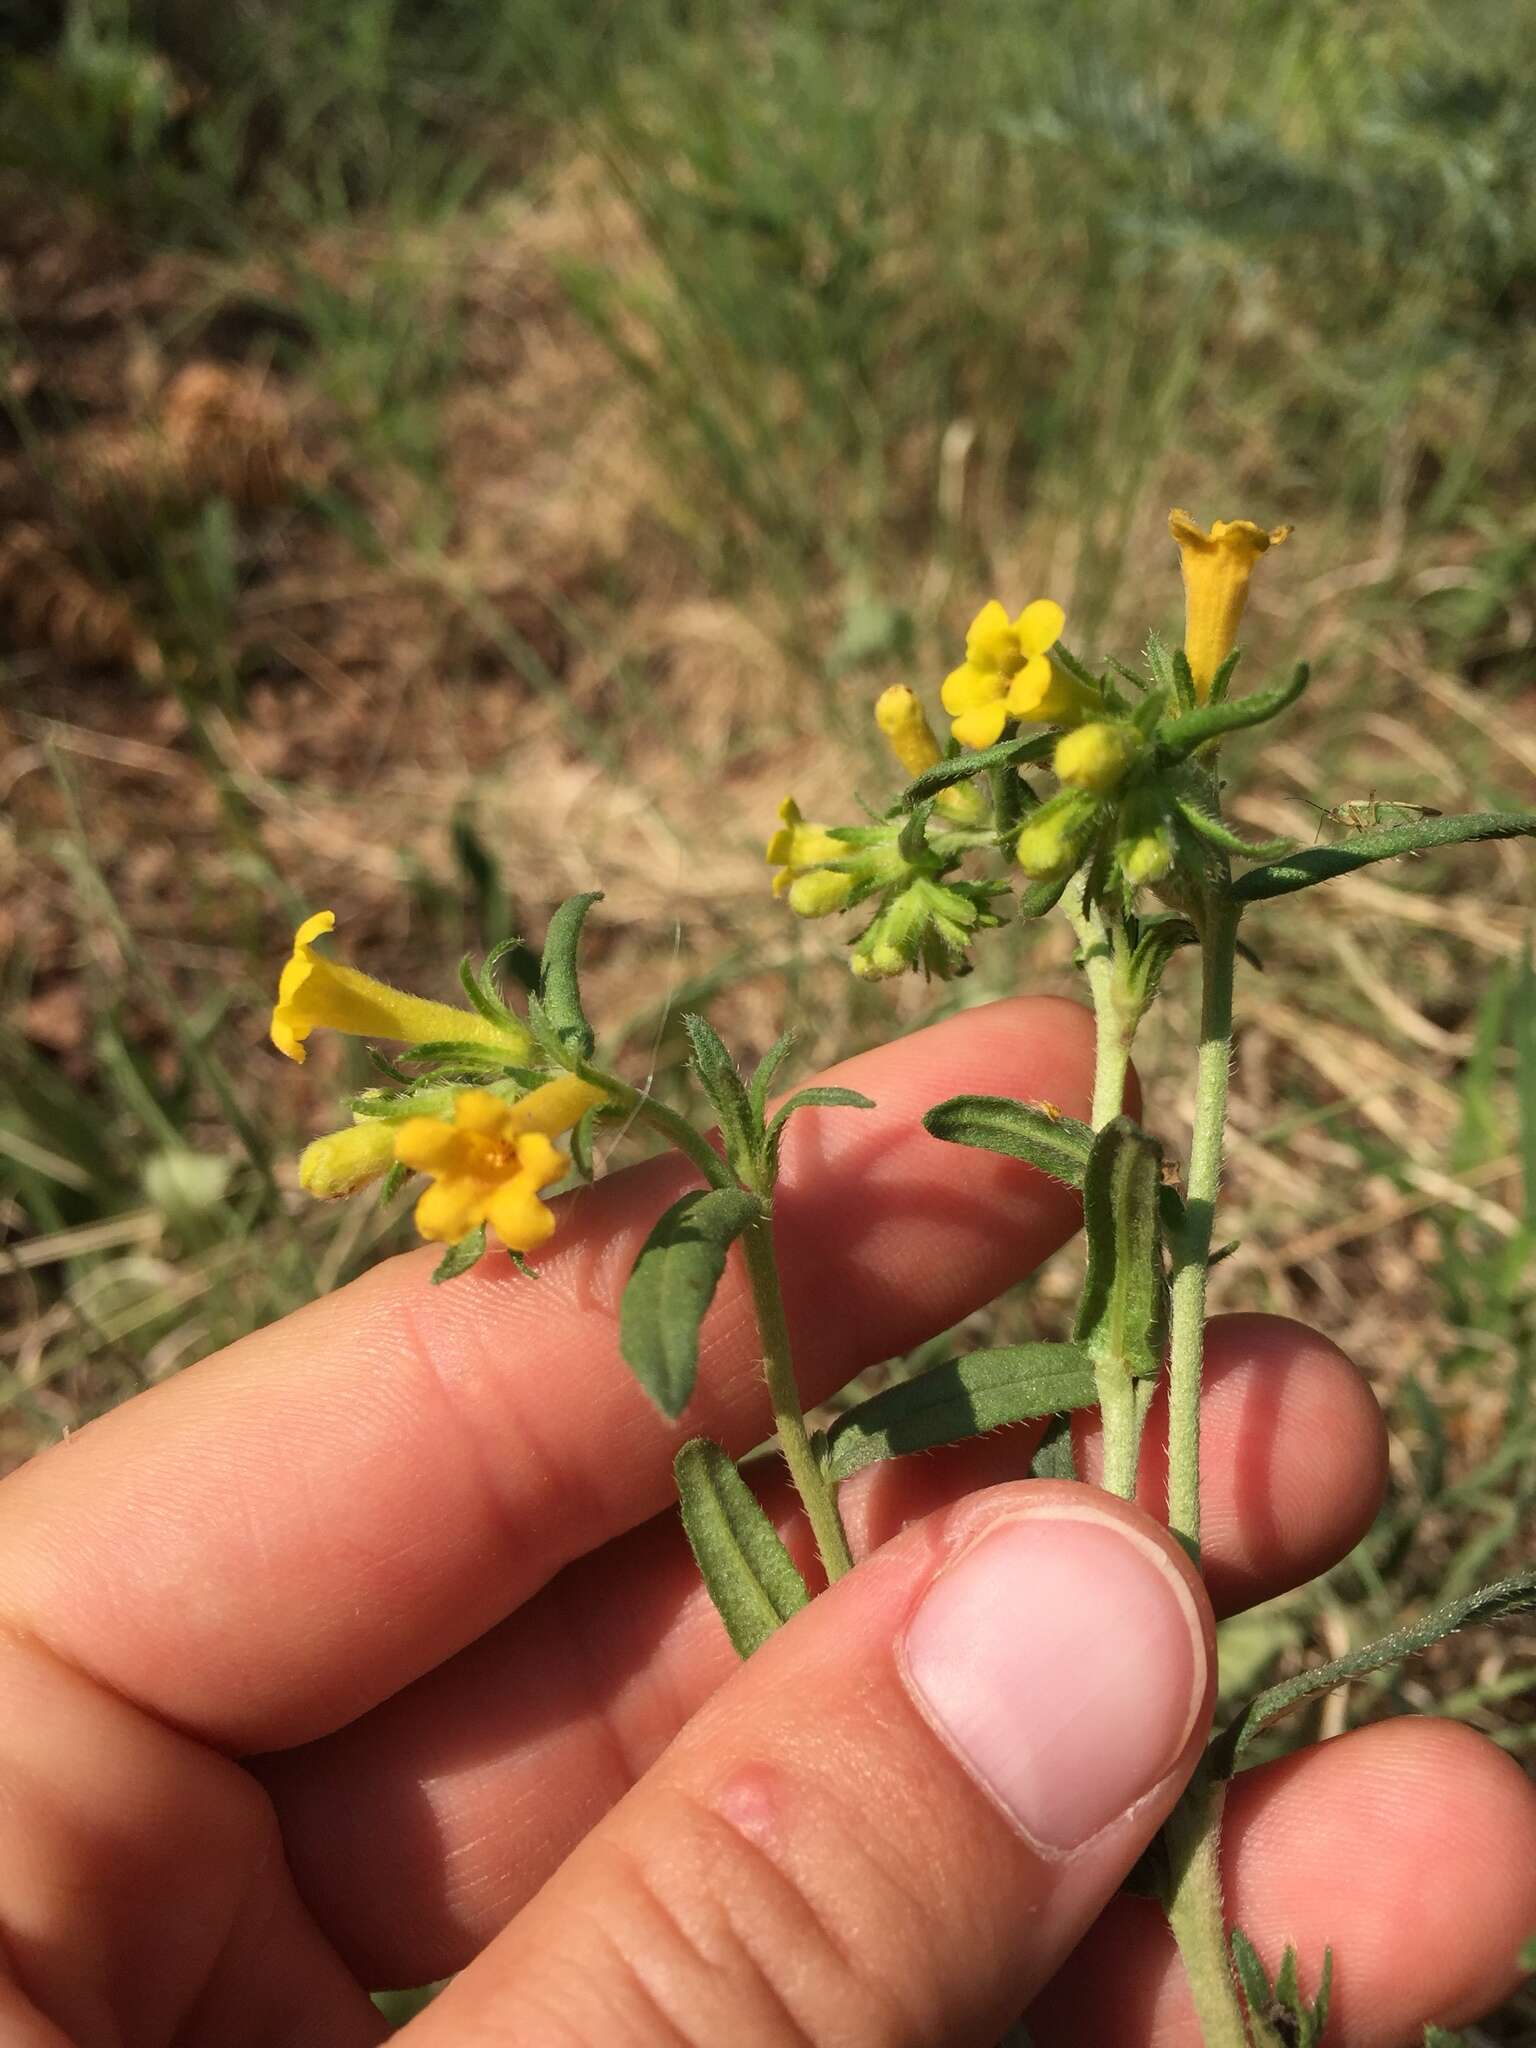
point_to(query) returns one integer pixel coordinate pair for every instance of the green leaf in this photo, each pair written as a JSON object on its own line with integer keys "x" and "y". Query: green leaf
{"x": 1045, "y": 1139}
{"x": 1055, "y": 1456}
{"x": 673, "y": 1283}
{"x": 520, "y": 961}
{"x": 1120, "y": 1316}
{"x": 559, "y": 983}
{"x": 1160, "y": 939}
{"x": 727, "y": 1093}
{"x": 1514, "y": 1595}
{"x": 1322, "y": 863}
{"x": 1221, "y": 836}
{"x": 763, "y": 1075}
{"x": 964, "y": 1398}
{"x": 961, "y": 767}
{"x": 484, "y": 999}
{"x": 1041, "y": 897}
{"x": 808, "y": 1098}
{"x": 1197, "y": 728}
{"x": 459, "y": 1257}
{"x": 750, "y": 1575}
{"x": 1251, "y": 1973}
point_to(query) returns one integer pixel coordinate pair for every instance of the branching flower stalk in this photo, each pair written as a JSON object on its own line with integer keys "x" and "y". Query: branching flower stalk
{"x": 1094, "y": 791}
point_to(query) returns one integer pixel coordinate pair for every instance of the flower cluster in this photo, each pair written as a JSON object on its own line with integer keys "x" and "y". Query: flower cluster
{"x": 1133, "y": 799}
{"x": 487, "y": 1148}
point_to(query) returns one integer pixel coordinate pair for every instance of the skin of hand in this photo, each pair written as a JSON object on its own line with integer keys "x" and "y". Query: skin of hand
{"x": 370, "y": 1651}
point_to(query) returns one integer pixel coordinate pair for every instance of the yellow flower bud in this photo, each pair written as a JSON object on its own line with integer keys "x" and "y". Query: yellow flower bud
{"x": 905, "y": 724}
{"x": 1056, "y": 837}
{"x": 879, "y": 963}
{"x": 1144, "y": 849}
{"x": 1096, "y": 756}
{"x": 819, "y": 893}
{"x": 344, "y": 1161}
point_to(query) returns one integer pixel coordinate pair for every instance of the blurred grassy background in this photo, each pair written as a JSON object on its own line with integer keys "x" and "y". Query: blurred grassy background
{"x": 451, "y": 454}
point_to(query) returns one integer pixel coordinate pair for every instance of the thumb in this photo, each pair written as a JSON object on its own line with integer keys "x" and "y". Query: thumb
{"x": 897, "y": 1820}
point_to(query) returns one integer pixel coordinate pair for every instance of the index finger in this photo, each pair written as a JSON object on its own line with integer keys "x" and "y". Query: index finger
{"x": 268, "y": 1545}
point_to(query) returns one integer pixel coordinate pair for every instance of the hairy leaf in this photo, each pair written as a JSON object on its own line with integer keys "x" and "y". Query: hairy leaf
{"x": 1221, "y": 836}
{"x": 1514, "y": 1595}
{"x": 1322, "y": 863}
{"x": 964, "y": 1398}
{"x": 751, "y": 1577}
{"x": 762, "y": 1078}
{"x": 1043, "y": 1138}
{"x": 559, "y": 982}
{"x": 673, "y": 1283}
{"x": 1120, "y": 1316}
{"x": 1209, "y": 722}
{"x": 727, "y": 1092}
{"x": 1055, "y": 1455}
{"x": 961, "y": 767}
{"x": 459, "y": 1257}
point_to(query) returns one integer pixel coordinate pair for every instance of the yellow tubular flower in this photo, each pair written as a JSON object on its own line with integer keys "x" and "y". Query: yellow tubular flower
{"x": 1006, "y": 672}
{"x": 797, "y": 846}
{"x": 1096, "y": 756}
{"x": 904, "y": 722}
{"x": 1216, "y": 566}
{"x": 314, "y": 993}
{"x": 343, "y": 1161}
{"x": 485, "y": 1169}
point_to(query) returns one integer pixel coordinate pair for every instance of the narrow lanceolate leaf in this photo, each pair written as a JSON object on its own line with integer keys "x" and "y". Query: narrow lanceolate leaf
{"x": 761, "y": 1084}
{"x": 1055, "y": 1456}
{"x": 672, "y": 1285}
{"x": 1221, "y": 836}
{"x": 1181, "y": 736}
{"x": 961, "y": 767}
{"x": 1120, "y": 1317}
{"x": 1040, "y": 897}
{"x": 1042, "y": 1137}
{"x": 727, "y": 1093}
{"x": 808, "y": 1098}
{"x": 751, "y": 1577}
{"x": 1506, "y": 1597}
{"x": 459, "y": 1257}
{"x": 964, "y": 1398}
{"x": 1321, "y": 863}
{"x": 559, "y": 982}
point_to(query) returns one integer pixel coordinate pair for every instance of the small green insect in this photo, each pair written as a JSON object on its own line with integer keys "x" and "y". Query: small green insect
{"x": 1363, "y": 814}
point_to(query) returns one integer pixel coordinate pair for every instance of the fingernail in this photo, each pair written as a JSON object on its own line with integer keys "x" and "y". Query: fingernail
{"x": 1061, "y": 1659}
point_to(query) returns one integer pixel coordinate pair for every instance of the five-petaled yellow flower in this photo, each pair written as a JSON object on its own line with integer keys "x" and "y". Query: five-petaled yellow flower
{"x": 1216, "y": 566}
{"x": 1007, "y": 673}
{"x": 490, "y": 1163}
{"x": 314, "y": 993}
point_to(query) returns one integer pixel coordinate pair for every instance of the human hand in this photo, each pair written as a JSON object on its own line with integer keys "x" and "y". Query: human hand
{"x": 371, "y": 1651}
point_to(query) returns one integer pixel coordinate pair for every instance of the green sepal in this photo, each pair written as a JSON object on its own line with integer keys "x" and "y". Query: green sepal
{"x": 520, "y": 961}
{"x": 1185, "y": 695}
{"x": 806, "y": 1098}
{"x": 1514, "y": 1595}
{"x": 672, "y": 1284}
{"x": 459, "y": 1257}
{"x": 1180, "y": 736}
{"x": 1040, "y": 897}
{"x": 1056, "y": 1455}
{"x": 1221, "y": 836}
{"x": 461, "y": 1053}
{"x": 394, "y": 1180}
{"x": 1322, "y": 863}
{"x": 750, "y": 1576}
{"x": 1158, "y": 939}
{"x": 963, "y": 1398}
{"x": 1055, "y": 1144}
{"x": 559, "y": 982}
{"x": 1158, "y": 656}
{"x": 485, "y": 999}
{"x": 962, "y": 767}
{"x": 583, "y": 1135}
{"x": 912, "y": 840}
{"x": 764, "y": 1072}
{"x": 727, "y": 1094}
{"x": 1221, "y": 682}
{"x": 544, "y": 1034}
{"x": 1120, "y": 1317}
{"x": 1280, "y": 2016}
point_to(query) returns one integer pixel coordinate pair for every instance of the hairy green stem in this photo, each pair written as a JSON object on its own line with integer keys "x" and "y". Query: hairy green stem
{"x": 816, "y": 1491}
{"x": 674, "y": 1127}
{"x": 1186, "y": 1331}
{"x": 1193, "y": 1836}
{"x": 1111, "y": 1039}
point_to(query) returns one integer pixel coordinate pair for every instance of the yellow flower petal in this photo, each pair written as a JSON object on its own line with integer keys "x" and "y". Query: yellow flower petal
{"x": 481, "y": 1113}
{"x": 450, "y": 1209}
{"x": 968, "y": 688}
{"x": 990, "y": 640}
{"x": 1045, "y": 695}
{"x": 428, "y": 1145}
{"x": 982, "y": 727}
{"x": 1039, "y": 626}
{"x": 549, "y": 1110}
{"x": 519, "y": 1218}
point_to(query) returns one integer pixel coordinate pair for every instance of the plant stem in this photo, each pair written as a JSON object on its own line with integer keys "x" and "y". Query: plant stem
{"x": 1186, "y": 1334}
{"x": 1193, "y": 1836}
{"x": 1111, "y": 1042}
{"x": 1122, "y": 1432}
{"x": 816, "y": 1491}
{"x": 674, "y": 1127}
